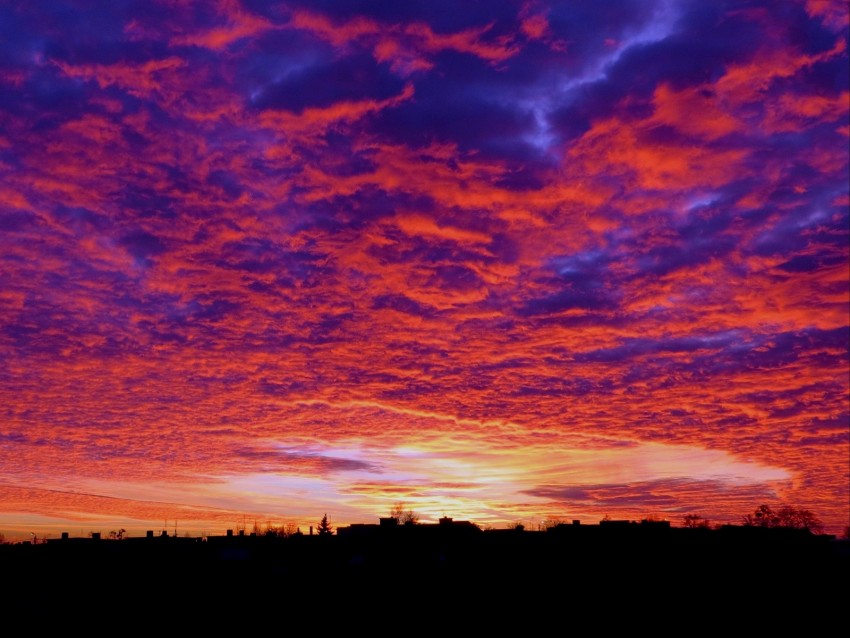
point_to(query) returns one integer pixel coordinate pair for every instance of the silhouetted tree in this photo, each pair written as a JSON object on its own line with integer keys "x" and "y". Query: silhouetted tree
{"x": 284, "y": 530}
{"x": 325, "y": 528}
{"x": 762, "y": 517}
{"x": 695, "y": 521}
{"x": 787, "y": 516}
{"x": 549, "y": 523}
{"x": 121, "y": 534}
{"x": 799, "y": 519}
{"x": 404, "y": 517}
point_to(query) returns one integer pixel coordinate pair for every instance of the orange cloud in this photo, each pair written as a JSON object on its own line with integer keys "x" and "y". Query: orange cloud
{"x": 239, "y": 24}
{"x": 404, "y": 46}
{"x": 693, "y": 111}
{"x": 142, "y": 80}
{"x": 745, "y": 83}
{"x": 834, "y": 13}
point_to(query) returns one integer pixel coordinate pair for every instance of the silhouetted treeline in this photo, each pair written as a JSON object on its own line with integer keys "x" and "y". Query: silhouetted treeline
{"x": 632, "y": 563}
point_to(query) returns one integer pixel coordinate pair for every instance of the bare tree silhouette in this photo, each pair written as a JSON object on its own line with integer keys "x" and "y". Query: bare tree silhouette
{"x": 404, "y": 517}
{"x": 695, "y": 521}
{"x": 787, "y": 516}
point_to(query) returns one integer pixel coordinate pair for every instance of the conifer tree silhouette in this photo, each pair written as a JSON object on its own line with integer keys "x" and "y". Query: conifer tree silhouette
{"x": 325, "y": 528}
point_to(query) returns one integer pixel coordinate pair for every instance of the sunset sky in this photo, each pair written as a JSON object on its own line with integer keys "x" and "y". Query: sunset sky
{"x": 501, "y": 261}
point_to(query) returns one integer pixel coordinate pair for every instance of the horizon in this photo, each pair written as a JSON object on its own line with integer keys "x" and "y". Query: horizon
{"x": 502, "y": 262}
{"x": 286, "y": 529}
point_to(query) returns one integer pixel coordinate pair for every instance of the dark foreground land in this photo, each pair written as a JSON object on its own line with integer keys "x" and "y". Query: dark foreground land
{"x": 608, "y": 576}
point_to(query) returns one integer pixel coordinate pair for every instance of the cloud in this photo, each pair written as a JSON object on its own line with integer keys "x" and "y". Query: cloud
{"x": 675, "y": 497}
{"x": 237, "y": 24}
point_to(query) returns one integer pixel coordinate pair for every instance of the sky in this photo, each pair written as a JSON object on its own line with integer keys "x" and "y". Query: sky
{"x": 499, "y": 261}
